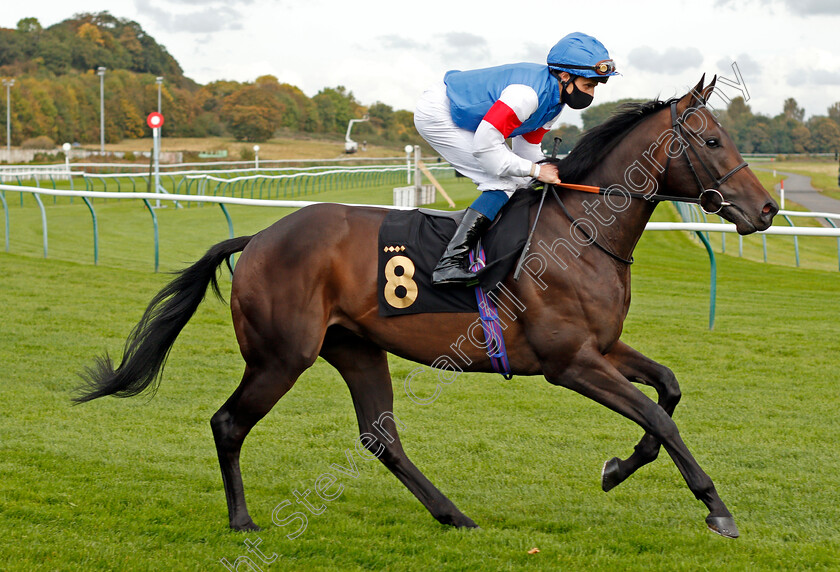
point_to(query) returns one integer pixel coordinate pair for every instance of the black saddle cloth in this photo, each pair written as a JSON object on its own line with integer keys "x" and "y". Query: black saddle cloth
{"x": 412, "y": 242}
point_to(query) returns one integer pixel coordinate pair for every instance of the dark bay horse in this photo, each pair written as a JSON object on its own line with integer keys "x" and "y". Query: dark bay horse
{"x": 307, "y": 286}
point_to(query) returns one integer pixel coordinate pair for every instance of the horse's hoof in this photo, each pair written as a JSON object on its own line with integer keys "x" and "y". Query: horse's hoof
{"x": 610, "y": 477}
{"x": 249, "y": 526}
{"x": 723, "y": 525}
{"x": 458, "y": 521}
{"x": 467, "y": 522}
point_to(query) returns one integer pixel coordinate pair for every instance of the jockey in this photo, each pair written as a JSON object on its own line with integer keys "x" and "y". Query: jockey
{"x": 467, "y": 117}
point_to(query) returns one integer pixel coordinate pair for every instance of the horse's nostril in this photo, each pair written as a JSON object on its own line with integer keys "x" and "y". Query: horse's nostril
{"x": 770, "y": 209}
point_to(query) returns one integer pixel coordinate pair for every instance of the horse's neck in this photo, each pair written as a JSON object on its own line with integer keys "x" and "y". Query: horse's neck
{"x": 619, "y": 224}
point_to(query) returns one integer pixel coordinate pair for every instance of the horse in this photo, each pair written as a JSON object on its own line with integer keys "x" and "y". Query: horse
{"x": 307, "y": 287}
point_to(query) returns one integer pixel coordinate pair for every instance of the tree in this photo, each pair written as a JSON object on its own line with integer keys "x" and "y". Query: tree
{"x": 29, "y": 26}
{"x": 131, "y": 123}
{"x": 404, "y": 129}
{"x": 801, "y": 136}
{"x": 596, "y": 114}
{"x": 737, "y": 108}
{"x": 570, "y": 135}
{"x": 834, "y": 112}
{"x": 825, "y": 135}
{"x": 91, "y": 33}
{"x": 757, "y": 132}
{"x": 792, "y": 110}
{"x": 739, "y": 121}
{"x": 781, "y": 133}
{"x": 252, "y": 113}
{"x": 11, "y": 50}
{"x": 382, "y": 121}
{"x": 336, "y": 107}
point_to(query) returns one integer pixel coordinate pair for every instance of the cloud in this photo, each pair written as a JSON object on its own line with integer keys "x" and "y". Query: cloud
{"x": 749, "y": 68}
{"x": 395, "y": 42}
{"x": 464, "y": 40}
{"x": 800, "y": 7}
{"x": 813, "y": 77}
{"x": 463, "y": 45}
{"x": 462, "y": 48}
{"x": 454, "y": 48}
{"x": 205, "y": 2}
{"x": 671, "y": 60}
{"x": 215, "y": 16}
{"x": 813, "y": 7}
{"x": 536, "y": 53}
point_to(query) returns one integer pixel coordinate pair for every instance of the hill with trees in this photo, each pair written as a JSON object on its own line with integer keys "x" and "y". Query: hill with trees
{"x": 56, "y": 93}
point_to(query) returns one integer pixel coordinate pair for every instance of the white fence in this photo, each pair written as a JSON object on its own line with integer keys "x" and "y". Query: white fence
{"x": 697, "y": 227}
{"x": 13, "y": 173}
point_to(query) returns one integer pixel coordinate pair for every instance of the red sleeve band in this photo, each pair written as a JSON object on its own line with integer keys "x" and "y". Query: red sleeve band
{"x": 535, "y": 137}
{"x": 503, "y": 118}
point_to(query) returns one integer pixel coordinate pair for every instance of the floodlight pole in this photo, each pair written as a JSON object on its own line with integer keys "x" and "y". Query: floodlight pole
{"x": 159, "y": 82}
{"x": 9, "y": 83}
{"x": 100, "y": 71}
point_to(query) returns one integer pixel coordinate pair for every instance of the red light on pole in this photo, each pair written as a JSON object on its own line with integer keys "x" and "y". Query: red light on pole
{"x": 154, "y": 120}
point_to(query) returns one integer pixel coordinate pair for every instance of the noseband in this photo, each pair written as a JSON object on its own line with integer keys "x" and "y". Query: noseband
{"x": 708, "y": 197}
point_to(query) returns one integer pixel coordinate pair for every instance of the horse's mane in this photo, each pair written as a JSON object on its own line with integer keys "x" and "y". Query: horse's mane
{"x": 594, "y": 146}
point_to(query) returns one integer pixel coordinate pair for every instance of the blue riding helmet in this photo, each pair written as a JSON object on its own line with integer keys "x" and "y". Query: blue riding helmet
{"x": 581, "y": 55}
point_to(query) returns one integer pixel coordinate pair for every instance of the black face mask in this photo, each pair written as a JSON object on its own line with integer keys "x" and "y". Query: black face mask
{"x": 577, "y": 99}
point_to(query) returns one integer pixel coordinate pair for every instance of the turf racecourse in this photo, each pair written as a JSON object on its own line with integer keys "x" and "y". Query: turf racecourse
{"x": 134, "y": 484}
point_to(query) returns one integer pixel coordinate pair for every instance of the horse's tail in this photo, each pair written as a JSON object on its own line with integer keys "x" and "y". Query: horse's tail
{"x": 150, "y": 341}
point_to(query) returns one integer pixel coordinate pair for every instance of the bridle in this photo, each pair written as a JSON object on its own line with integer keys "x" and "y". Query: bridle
{"x": 708, "y": 198}
{"x": 707, "y": 195}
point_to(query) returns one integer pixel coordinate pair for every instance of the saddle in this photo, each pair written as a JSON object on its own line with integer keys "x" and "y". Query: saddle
{"x": 412, "y": 242}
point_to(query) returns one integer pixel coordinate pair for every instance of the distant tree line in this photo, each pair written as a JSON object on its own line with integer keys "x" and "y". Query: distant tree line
{"x": 56, "y": 95}
{"x": 786, "y": 132}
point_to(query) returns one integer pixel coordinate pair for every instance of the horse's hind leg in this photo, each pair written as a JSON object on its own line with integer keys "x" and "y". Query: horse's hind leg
{"x": 640, "y": 369}
{"x": 259, "y": 390}
{"x": 364, "y": 367}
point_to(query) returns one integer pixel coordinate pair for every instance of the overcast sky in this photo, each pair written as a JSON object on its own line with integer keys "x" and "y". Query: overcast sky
{"x": 389, "y": 51}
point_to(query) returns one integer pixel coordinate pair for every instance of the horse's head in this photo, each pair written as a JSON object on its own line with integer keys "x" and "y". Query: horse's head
{"x": 702, "y": 158}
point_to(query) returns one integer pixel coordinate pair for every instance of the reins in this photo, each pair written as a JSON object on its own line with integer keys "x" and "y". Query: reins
{"x": 591, "y": 240}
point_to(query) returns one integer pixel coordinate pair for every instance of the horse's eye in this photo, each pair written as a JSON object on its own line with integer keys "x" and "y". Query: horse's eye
{"x": 713, "y": 142}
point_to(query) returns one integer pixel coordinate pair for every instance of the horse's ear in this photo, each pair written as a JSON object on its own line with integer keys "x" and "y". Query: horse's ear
{"x": 707, "y": 91}
{"x": 694, "y": 98}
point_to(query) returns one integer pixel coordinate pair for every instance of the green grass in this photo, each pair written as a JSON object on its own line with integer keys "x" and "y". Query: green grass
{"x": 134, "y": 484}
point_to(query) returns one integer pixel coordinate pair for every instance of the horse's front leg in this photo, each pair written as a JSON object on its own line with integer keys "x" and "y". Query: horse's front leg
{"x": 640, "y": 369}
{"x": 592, "y": 375}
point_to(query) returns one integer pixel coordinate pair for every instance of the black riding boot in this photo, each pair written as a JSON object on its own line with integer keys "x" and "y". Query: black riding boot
{"x": 454, "y": 265}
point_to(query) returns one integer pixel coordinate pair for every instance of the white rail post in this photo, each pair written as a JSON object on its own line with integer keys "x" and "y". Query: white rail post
{"x": 156, "y": 148}
{"x": 417, "y": 179}
{"x": 408, "y": 150}
{"x": 782, "y": 192}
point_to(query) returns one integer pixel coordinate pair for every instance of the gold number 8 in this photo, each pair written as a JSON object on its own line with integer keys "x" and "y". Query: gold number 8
{"x": 404, "y": 280}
